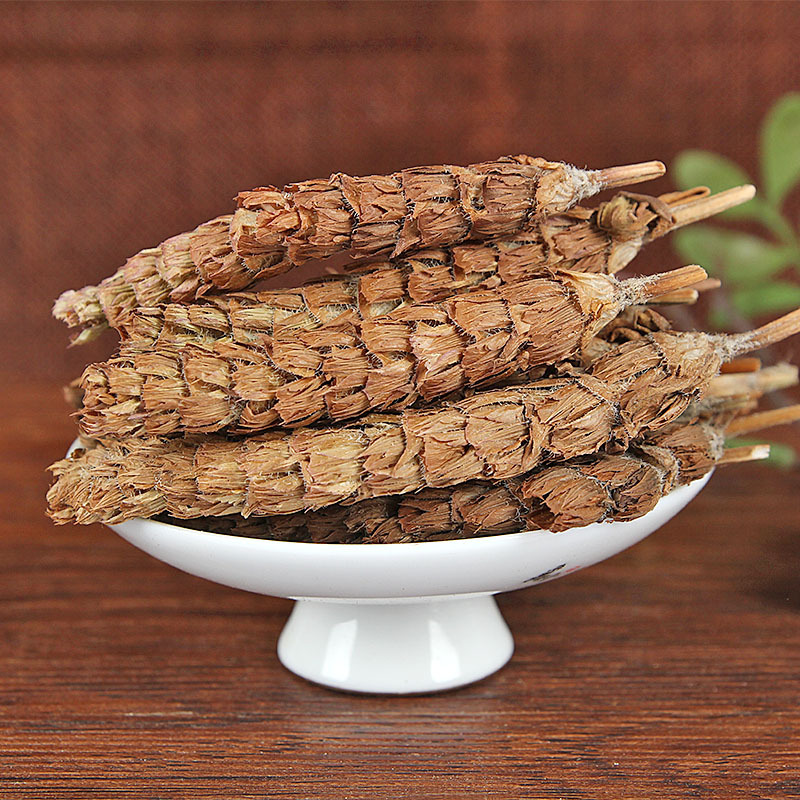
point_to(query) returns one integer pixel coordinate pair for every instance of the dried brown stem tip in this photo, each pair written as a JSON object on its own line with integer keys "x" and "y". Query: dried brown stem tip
{"x": 746, "y": 364}
{"x": 686, "y": 297}
{"x": 706, "y": 207}
{"x": 732, "y": 345}
{"x": 707, "y": 285}
{"x": 764, "y": 419}
{"x": 654, "y": 286}
{"x": 351, "y": 366}
{"x": 738, "y": 455}
{"x": 761, "y": 381}
{"x": 612, "y": 177}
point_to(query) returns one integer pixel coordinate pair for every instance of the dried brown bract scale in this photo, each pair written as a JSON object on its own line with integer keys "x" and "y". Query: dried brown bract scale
{"x": 633, "y": 323}
{"x": 641, "y": 386}
{"x": 579, "y": 492}
{"x": 415, "y": 208}
{"x": 73, "y": 394}
{"x": 351, "y": 365}
{"x": 232, "y": 252}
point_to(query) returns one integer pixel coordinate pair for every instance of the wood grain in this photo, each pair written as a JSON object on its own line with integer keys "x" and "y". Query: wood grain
{"x": 669, "y": 671}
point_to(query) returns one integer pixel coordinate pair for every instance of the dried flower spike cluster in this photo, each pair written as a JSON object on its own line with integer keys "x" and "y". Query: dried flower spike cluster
{"x": 603, "y": 239}
{"x": 519, "y": 383}
{"x": 165, "y": 384}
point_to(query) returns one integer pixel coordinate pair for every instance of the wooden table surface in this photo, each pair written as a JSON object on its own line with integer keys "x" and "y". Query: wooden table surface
{"x": 669, "y": 671}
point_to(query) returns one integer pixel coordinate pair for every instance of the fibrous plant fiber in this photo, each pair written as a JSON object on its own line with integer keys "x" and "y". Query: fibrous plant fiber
{"x": 244, "y": 368}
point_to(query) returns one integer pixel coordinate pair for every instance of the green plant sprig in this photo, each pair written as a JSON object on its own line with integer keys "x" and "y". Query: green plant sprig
{"x": 759, "y": 273}
{"x": 757, "y": 270}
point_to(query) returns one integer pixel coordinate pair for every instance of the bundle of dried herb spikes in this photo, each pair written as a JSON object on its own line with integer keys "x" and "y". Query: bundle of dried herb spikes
{"x": 225, "y": 377}
{"x": 519, "y": 382}
{"x": 578, "y": 492}
{"x": 604, "y": 239}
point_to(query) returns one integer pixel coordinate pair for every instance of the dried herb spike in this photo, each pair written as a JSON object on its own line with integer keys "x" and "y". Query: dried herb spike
{"x": 576, "y": 493}
{"x": 603, "y": 239}
{"x": 415, "y": 208}
{"x": 219, "y": 377}
{"x": 274, "y": 230}
{"x": 638, "y": 387}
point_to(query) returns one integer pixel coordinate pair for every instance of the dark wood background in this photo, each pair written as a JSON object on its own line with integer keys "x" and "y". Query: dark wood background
{"x": 124, "y": 123}
{"x": 668, "y": 671}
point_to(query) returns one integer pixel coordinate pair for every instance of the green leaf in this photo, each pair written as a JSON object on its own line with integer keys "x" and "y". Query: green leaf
{"x": 765, "y": 298}
{"x": 780, "y": 148}
{"x": 750, "y": 259}
{"x": 782, "y": 456}
{"x": 701, "y": 244}
{"x": 720, "y": 318}
{"x": 736, "y": 257}
{"x": 703, "y": 168}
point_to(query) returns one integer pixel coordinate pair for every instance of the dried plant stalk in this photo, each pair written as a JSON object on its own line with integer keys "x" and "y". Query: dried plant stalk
{"x": 759, "y": 382}
{"x": 745, "y": 364}
{"x": 737, "y": 455}
{"x": 723, "y": 407}
{"x": 580, "y": 492}
{"x": 415, "y": 208}
{"x": 640, "y": 386}
{"x": 686, "y": 296}
{"x": 764, "y": 419}
{"x": 351, "y": 365}
{"x": 603, "y": 240}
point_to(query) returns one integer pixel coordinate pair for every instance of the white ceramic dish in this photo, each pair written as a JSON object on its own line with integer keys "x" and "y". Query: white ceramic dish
{"x": 396, "y": 618}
